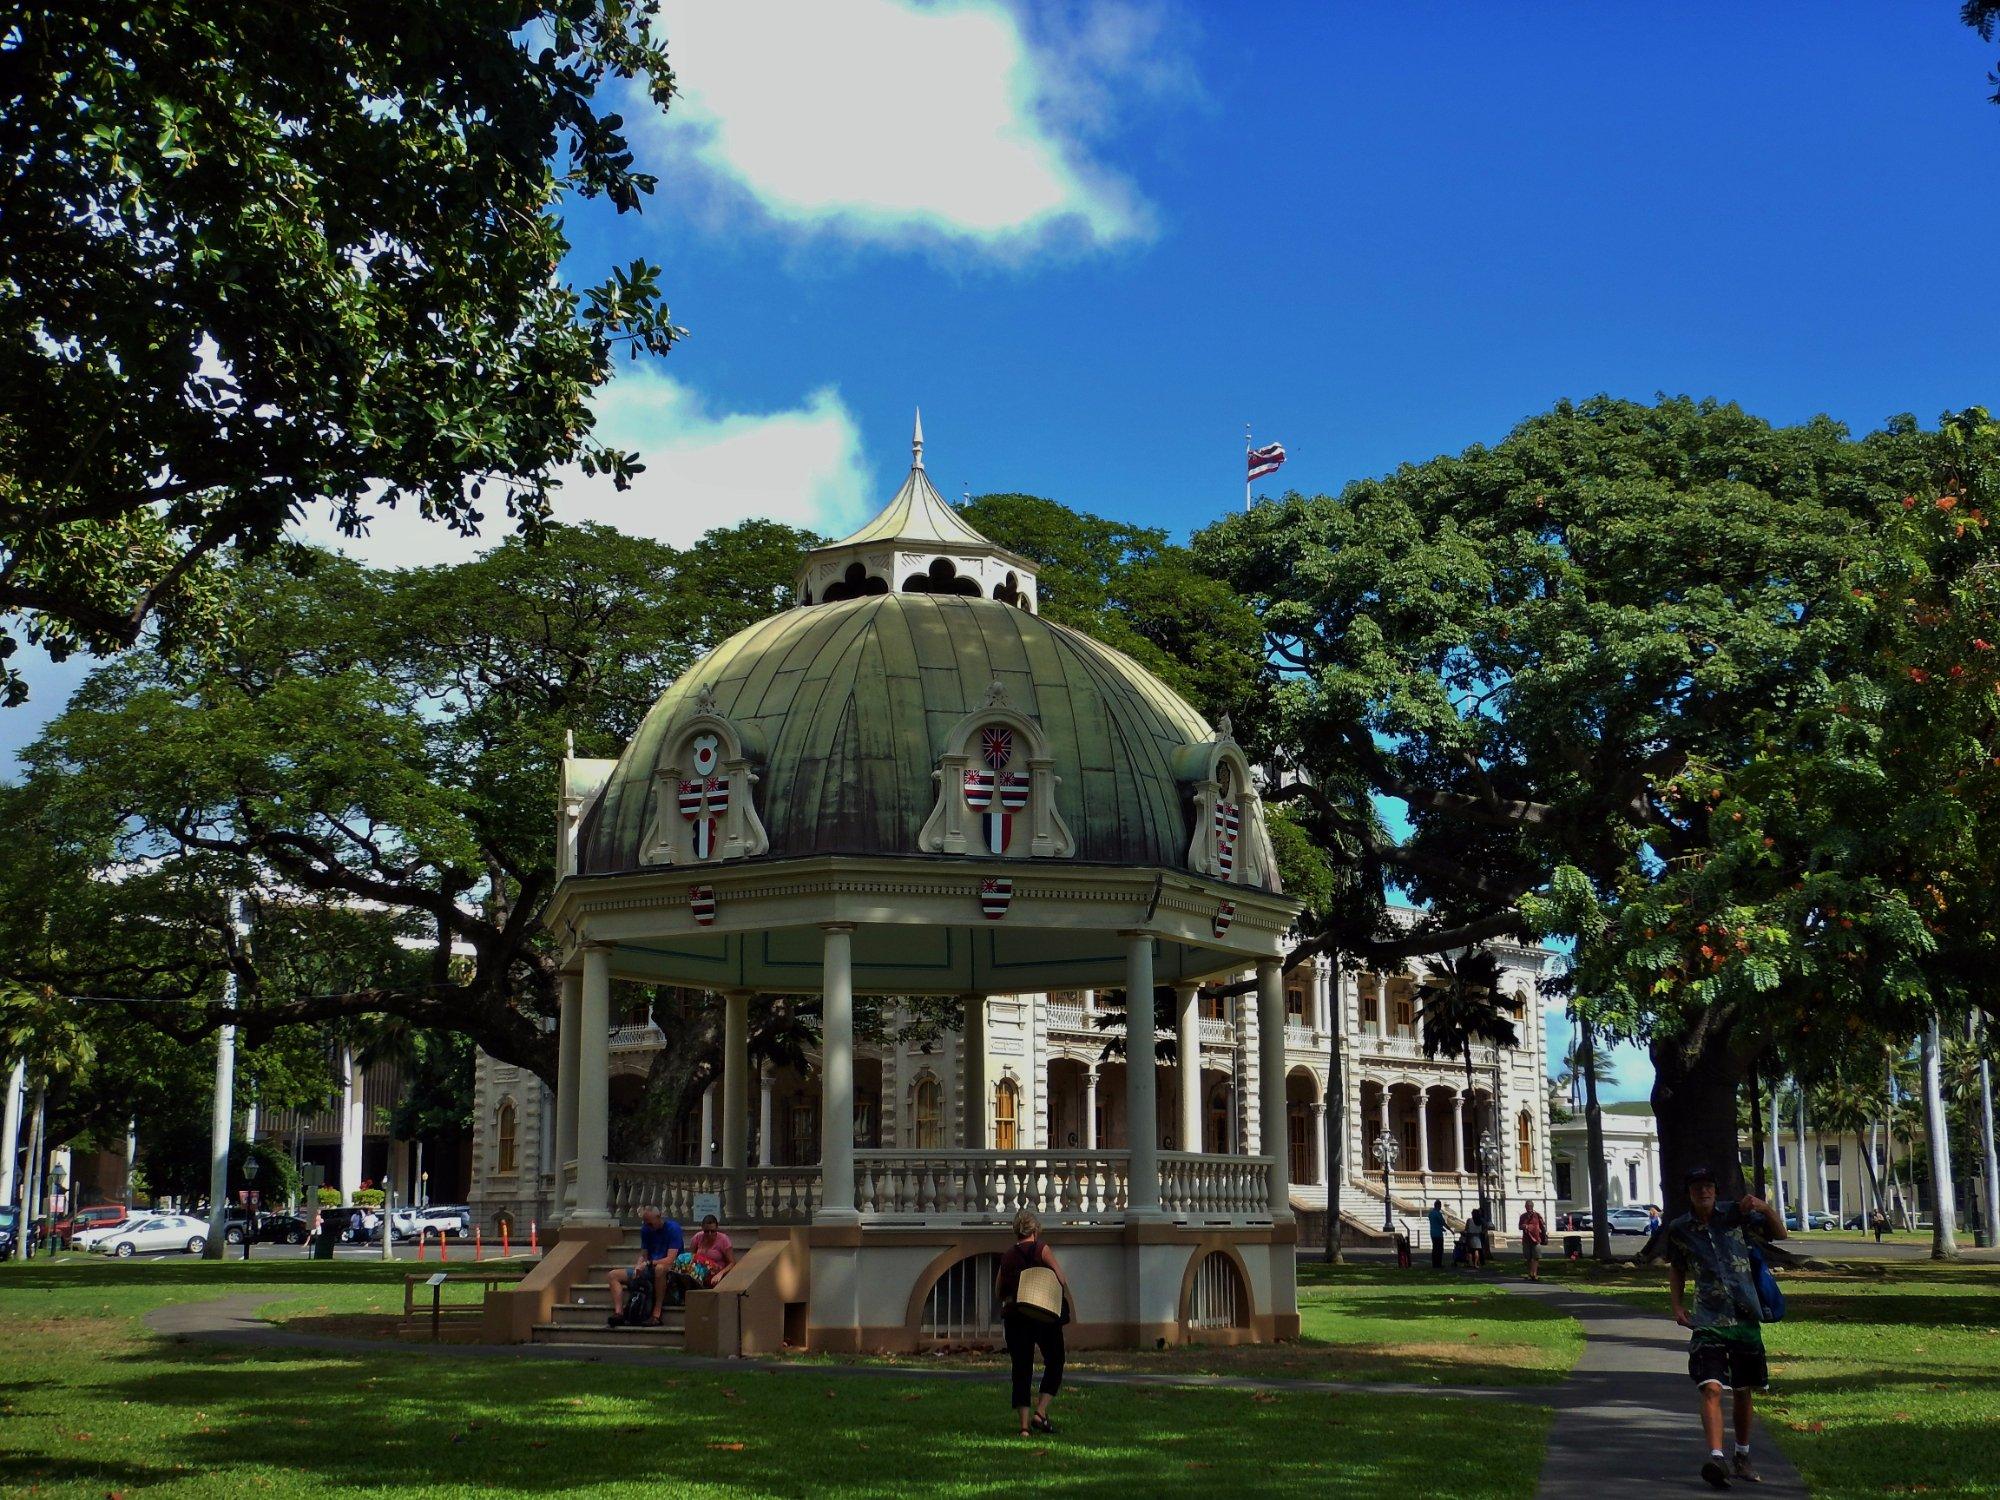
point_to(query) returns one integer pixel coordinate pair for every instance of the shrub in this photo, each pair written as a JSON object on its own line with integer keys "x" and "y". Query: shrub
{"x": 329, "y": 1197}
{"x": 367, "y": 1197}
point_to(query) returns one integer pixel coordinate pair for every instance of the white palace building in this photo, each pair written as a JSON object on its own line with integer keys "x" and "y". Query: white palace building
{"x": 911, "y": 784}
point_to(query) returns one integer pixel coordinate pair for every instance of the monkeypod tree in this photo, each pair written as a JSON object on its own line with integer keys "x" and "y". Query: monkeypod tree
{"x": 1552, "y": 653}
{"x": 262, "y": 260}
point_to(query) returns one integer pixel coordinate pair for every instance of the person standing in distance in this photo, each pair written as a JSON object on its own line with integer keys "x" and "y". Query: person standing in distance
{"x": 1437, "y": 1234}
{"x": 1534, "y": 1234}
{"x": 1725, "y": 1321}
{"x": 1026, "y": 1334}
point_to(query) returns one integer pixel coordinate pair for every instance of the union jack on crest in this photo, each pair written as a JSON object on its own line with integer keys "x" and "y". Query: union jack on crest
{"x": 997, "y": 744}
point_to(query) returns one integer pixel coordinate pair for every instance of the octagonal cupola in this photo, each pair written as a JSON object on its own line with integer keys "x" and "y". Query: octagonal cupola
{"x": 917, "y": 545}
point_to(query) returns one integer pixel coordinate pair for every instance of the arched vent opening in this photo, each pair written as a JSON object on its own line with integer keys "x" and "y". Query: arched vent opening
{"x": 853, "y": 584}
{"x": 941, "y": 578}
{"x": 959, "y": 1309}
{"x": 1218, "y": 1298}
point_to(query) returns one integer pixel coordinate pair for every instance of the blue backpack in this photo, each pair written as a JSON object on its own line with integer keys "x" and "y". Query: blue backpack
{"x": 1770, "y": 1296}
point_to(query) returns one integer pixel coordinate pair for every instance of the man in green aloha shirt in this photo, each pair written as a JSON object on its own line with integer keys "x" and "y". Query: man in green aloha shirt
{"x": 1726, "y": 1351}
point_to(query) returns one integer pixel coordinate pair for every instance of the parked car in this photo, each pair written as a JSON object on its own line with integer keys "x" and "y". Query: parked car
{"x": 454, "y": 1219}
{"x": 1578, "y": 1219}
{"x": 1818, "y": 1218}
{"x": 1627, "y": 1220}
{"x": 237, "y": 1223}
{"x": 91, "y": 1238}
{"x": 97, "y": 1216}
{"x": 282, "y": 1229}
{"x": 10, "y": 1229}
{"x": 157, "y": 1232}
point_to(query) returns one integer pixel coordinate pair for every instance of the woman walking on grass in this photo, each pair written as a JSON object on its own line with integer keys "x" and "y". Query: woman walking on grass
{"x": 1026, "y": 1331}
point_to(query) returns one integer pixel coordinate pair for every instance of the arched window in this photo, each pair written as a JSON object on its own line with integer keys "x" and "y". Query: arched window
{"x": 941, "y": 578}
{"x": 929, "y": 1115}
{"x": 854, "y": 584}
{"x": 1524, "y": 1131}
{"x": 1006, "y": 1100}
{"x": 507, "y": 1144}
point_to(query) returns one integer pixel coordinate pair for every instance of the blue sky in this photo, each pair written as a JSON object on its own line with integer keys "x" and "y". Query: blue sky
{"x": 1093, "y": 241}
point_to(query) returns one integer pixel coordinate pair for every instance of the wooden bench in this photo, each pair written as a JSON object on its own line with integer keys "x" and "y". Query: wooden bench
{"x": 484, "y": 1280}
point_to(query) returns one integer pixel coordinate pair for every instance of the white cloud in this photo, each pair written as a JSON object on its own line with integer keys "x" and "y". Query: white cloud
{"x": 704, "y": 469}
{"x": 892, "y": 120}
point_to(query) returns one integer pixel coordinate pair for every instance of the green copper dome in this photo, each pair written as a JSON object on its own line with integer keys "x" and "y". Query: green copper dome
{"x": 845, "y": 708}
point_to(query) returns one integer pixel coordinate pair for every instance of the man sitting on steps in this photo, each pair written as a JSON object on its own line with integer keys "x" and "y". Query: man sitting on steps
{"x": 659, "y": 1244}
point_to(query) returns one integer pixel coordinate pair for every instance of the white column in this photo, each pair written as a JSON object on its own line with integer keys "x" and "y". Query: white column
{"x": 222, "y": 1115}
{"x": 593, "y": 1089}
{"x": 1323, "y": 989}
{"x": 1142, "y": 1112}
{"x": 569, "y": 1036}
{"x": 1271, "y": 1065}
{"x": 351, "y": 1105}
{"x": 972, "y": 1075}
{"x": 708, "y": 1126}
{"x": 736, "y": 1094}
{"x": 1090, "y": 1107}
{"x": 836, "y": 1083}
{"x": 1458, "y": 1131}
{"x": 10, "y": 1126}
{"x": 1187, "y": 1006}
{"x": 765, "y": 1081}
{"x": 1382, "y": 1003}
{"x": 1319, "y": 1142}
{"x": 1424, "y": 1131}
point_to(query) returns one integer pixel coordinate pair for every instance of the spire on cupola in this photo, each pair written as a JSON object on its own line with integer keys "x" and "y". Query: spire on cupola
{"x": 917, "y": 544}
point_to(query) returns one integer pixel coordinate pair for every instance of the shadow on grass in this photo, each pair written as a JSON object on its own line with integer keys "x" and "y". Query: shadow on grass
{"x": 333, "y": 1421}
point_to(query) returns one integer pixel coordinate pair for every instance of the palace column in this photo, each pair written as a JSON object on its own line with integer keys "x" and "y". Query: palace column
{"x": 1458, "y": 1130}
{"x": 766, "y": 1081}
{"x": 593, "y": 1091}
{"x": 1271, "y": 1079}
{"x": 1187, "y": 998}
{"x": 1385, "y": 1120}
{"x": 1319, "y": 1141}
{"x": 735, "y": 1097}
{"x": 836, "y": 1079}
{"x": 1424, "y": 1132}
{"x": 1090, "y": 1107}
{"x": 707, "y": 1152}
{"x": 972, "y": 1081}
{"x": 1142, "y": 1113}
{"x": 569, "y": 1027}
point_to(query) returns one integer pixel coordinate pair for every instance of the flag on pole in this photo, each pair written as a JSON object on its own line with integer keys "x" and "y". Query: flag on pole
{"x": 1266, "y": 460}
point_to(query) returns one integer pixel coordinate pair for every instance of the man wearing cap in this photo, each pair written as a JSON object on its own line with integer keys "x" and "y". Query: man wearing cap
{"x": 1726, "y": 1350}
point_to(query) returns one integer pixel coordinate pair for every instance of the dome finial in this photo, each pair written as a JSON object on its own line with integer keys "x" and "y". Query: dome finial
{"x": 917, "y": 442}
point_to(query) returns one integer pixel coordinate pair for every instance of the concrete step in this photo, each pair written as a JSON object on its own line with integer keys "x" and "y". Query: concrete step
{"x": 569, "y": 1315}
{"x": 576, "y": 1337}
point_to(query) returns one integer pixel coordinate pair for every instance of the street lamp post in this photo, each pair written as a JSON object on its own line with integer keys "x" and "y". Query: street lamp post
{"x": 1489, "y": 1161}
{"x": 1385, "y": 1153}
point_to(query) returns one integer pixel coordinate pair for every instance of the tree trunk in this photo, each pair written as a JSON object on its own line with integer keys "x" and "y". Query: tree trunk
{"x": 1593, "y": 1121}
{"x": 1777, "y": 1157}
{"x": 1335, "y": 1118}
{"x": 1992, "y": 1162}
{"x": 1695, "y": 1078}
{"x": 1756, "y": 1132}
{"x": 1866, "y": 1146}
{"x": 1799, "y": 1166}
{"x": 1944, "y": 1206}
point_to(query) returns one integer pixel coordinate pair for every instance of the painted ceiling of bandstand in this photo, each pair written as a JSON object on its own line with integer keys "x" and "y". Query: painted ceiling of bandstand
{"x": 849, "y": 706}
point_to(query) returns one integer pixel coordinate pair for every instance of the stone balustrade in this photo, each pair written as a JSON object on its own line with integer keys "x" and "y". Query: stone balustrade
{"x": 1214, "y": 1189}
{"x": 646, "y": 1037}
{"x": 990, "y": 1187}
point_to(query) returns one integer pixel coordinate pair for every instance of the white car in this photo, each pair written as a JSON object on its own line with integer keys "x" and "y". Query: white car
{"x": 90, "y": 1239}
{"x": 454, "y": 1220}
{"x": 155, "y": 1232}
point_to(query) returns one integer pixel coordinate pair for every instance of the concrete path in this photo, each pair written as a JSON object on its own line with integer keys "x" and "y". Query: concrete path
{"x": 1626, "y": 1418}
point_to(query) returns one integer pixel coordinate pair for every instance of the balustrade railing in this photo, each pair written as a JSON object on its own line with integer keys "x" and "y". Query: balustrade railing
{"x": 639, "y": 1038}
{"x": 988, "y": 1187}
{"x": 1196, "y": 1186}
{"x": 1218, "y": 1032}
{"x": 781, "y": 1195}
{"x": 772, "y": 1195}
{"x": 1070, "y": 1018}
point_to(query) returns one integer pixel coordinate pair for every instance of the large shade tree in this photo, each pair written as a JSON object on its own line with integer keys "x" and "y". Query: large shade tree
{"x": 373, "y": 759}
{"x": 258, "y": 259}
{"x": 1555, "y": 653}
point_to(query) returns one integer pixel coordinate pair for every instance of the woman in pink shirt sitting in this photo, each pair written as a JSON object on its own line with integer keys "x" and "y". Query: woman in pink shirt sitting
{"x": 707, "y": 1257}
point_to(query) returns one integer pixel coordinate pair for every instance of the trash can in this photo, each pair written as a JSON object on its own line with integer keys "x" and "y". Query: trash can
{"x": 1403, "y": 1249}
{"x": 1573, "y": 1246}
{"x": 323, "y": 1241}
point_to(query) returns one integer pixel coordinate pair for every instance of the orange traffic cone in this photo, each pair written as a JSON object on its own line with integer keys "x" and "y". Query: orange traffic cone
{"x": 534, "y": 1245}
{"x": 420, "y": 1244}
{"x": 479, "y": 1244}
{"x": 444, "y": 1251}
{"x": 506, "y": 1247}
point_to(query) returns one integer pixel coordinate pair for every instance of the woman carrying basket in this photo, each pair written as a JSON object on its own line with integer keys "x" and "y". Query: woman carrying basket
{"x": 1033, "y": 1296}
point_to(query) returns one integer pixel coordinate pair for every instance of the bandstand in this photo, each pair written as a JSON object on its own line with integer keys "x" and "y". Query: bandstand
{"x": 910, "y": 783}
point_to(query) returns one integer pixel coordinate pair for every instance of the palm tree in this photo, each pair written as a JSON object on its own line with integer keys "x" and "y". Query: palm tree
{"x": 1461, "y": 1005}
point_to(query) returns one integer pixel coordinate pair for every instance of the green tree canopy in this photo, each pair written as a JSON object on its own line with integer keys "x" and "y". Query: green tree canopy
{"x": 260, "y": 259}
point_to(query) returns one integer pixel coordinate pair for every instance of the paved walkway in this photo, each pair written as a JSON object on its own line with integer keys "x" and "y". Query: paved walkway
{"x": 1624, "y": 1419}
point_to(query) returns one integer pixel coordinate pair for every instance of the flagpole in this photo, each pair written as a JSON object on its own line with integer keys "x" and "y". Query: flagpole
{"x": 1246, "y": 468}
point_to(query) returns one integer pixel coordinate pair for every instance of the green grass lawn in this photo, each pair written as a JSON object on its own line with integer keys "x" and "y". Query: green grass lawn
{"x": 1885, "y": 1379}
{"x": 93, "y": 1405}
